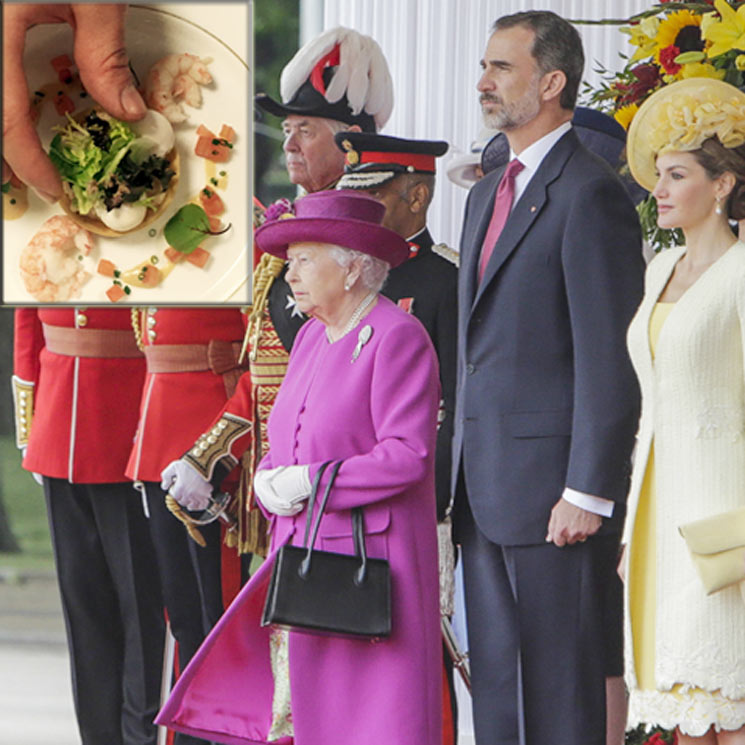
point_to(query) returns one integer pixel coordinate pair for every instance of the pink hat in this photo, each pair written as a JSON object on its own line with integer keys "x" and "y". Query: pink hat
{"x": 340, "y": 217}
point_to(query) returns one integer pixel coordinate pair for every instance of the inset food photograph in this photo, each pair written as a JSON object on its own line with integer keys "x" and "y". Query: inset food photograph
{"x": 154, "y": 210}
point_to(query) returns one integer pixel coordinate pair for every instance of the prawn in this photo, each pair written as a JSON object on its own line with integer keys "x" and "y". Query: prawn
{"x": 173, "y": 78}
{"x": 52, "y": 266}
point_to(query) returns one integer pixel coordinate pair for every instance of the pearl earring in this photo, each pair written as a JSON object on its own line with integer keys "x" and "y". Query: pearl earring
{"x": 347, "y": 286}
{"x": 718, "y": 208}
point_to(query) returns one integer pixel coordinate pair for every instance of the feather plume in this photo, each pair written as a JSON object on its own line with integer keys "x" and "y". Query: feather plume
{"x": 362, "y": 73}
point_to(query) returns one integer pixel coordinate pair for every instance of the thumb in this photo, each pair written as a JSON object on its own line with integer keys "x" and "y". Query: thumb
{"x": 102, "y": 59}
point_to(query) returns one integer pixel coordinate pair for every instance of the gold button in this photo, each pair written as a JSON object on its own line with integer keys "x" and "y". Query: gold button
{"x": 82, "y": 320}
{"x": 151, "y": 335}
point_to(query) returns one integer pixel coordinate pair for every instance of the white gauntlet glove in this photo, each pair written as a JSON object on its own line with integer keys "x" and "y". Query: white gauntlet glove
{"x": 186, "y": 485}
{"x": 283, "y": 490}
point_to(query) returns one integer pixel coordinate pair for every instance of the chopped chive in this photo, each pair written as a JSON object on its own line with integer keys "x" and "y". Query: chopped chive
{"x": 12, "y": 201}
{"x": 141, "y": 276}
{"x": 6, "y": 187}
{"x": 152, "y": 232}
{"x": 117, "y": 273}
{"x": 215, "y": 141}
{"x": 117, "y": 282}
{"x": 154, "y": 259}
{"x": 127, "y": 289}
{"x": 213, "y": 181}
{"x": 223, "y": 173}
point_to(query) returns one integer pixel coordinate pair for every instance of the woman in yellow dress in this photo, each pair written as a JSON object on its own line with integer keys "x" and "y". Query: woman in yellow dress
{"x": 685, "y": 650}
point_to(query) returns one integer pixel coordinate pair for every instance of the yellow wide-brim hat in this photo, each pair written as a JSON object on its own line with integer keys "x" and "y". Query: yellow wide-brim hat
{"x": 681, "y": 117}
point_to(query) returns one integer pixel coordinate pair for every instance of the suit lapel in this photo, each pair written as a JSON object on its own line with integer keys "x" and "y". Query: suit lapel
{"x": 528, "y": 208}
{"x": 482, "y": 216}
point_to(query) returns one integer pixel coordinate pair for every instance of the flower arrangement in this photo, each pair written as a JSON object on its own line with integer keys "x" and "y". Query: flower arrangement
{"x": 641, "y": 736}
{"x": 674, "y": 41}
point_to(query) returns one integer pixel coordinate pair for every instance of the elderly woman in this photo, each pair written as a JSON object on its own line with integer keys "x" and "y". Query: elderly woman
{"x": 362, "y": 387}
{"x": 686, "y": 648}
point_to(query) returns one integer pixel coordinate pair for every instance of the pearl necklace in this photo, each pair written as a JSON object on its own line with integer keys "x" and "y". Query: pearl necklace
{"x": 354, "y": 319}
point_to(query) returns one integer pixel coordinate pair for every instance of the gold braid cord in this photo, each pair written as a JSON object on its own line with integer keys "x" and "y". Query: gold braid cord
{"x": 175, "y": 508}
{"x": 214, "y": 445}
{"x": 137, "y": 322}
{"x": 267, "y": 364}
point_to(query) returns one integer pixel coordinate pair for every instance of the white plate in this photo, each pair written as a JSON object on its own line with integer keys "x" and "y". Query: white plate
{"x": 151, "y": 34}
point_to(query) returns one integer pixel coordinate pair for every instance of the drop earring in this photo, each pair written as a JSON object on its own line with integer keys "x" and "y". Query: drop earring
{"x": 718, "y": 208}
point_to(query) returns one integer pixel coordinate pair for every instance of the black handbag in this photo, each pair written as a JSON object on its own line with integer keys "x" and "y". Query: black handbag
{"x": 327, "y": 593}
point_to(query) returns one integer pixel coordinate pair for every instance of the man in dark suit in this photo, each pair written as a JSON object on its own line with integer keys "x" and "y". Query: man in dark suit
{"x": 546, "y": 401}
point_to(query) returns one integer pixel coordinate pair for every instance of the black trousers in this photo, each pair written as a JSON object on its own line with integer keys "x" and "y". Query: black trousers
{"x": 112, "y": 608}
{"x": 536, "y": 639}
{"x": 191, "y": 580}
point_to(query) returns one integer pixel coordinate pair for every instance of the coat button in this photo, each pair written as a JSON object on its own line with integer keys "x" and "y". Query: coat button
{"x": 470, "y": 369}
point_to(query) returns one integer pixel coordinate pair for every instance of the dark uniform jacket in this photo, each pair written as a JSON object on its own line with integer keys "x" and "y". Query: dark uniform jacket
{"x": 426, "y": 285}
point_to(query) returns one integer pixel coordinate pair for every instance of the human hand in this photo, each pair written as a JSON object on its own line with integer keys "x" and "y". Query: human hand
{"x": 104, "y": 71}
{"x": 186, "y": 485}
{"x": 570, "y": 524}
{"x": 283, "y": 490}
{"x": 621, "y": 568}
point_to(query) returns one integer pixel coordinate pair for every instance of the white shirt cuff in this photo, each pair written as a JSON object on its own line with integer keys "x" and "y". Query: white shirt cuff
{"x": 598, "y": 505}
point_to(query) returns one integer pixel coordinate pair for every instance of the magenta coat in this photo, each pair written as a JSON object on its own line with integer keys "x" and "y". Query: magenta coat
{"x": 378, "y": 413}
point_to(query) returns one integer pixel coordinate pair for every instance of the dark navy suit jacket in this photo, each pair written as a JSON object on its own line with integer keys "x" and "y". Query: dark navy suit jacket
{"x": 546, "y": 396}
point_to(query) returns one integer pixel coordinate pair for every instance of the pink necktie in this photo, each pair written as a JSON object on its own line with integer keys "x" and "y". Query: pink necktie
{"x": 502, "y": 207}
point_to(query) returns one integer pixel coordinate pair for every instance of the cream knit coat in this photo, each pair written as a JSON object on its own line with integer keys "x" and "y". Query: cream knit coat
{"x": 693, "y": 407}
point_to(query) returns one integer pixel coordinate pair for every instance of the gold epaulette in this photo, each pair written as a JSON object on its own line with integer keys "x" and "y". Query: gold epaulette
{"x": 447, "y": 253}
{"x": 214, "y": 445}
{"x": 23, "y": 404}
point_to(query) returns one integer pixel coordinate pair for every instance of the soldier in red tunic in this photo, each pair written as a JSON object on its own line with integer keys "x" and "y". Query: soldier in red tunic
{"x": 77, "y": 383}
{"x": 192, "y": 368}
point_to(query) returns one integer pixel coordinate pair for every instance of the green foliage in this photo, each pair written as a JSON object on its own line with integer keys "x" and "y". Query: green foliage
{"x": 24, "y": 504}
{"x": 276, "y": 39}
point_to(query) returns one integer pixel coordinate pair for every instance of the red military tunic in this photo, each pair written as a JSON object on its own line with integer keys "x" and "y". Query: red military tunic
{"x": 177, "y": 407}
{"x": 85, "y": 411}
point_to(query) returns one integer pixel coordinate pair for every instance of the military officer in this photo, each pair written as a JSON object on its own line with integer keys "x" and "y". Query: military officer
{"x": 77, "y": 380}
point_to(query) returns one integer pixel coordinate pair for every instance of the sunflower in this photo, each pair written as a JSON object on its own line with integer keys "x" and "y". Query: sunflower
{"x": 681, "y": 29}
{"x": 625, "y": 114}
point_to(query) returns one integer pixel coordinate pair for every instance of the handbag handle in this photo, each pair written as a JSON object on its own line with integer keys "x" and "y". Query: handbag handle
{"x": 357, "y": 524}
{"x": 312, "y": 498}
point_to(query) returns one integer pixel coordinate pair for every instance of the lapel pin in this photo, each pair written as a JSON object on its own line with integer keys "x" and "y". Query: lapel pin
{"x": 533, "y": 208}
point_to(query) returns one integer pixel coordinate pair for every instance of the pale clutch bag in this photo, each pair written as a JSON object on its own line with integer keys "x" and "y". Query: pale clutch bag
{"x": 717, "y": 547}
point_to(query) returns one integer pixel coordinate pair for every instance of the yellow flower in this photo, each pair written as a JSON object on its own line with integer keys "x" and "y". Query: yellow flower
{"x": 625, "y": 114}
{"x": 642, "y": 36}
{"x": 740, "y": 62}
{"x": 674, "y": 28}
{"x": 726, "y": 33}
{"x": 700, "y": 70}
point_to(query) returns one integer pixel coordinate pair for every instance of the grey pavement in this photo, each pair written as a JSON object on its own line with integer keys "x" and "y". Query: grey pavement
{"x": 35, "y": 693}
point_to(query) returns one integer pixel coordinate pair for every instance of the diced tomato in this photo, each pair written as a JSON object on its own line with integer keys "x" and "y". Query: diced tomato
{"x": 173, "y": 255}
{"x": 202, "y": 131}
{"x": 214, "y": 224}
{"x": 149, "y": 275}
{"x": 198, "y": 257}
{"x": 211, "y": 202}
{"x": 115, "y": 293}
{"x": 63, "y": 104}
{"x": 106, "y": 268}
{"x": 211, "y": 149}
{"x": 227, "y": 133}
{"x": 62, "y": 62}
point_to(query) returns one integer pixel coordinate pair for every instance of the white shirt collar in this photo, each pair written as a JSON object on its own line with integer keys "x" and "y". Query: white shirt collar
{"x": 533, "y": 156}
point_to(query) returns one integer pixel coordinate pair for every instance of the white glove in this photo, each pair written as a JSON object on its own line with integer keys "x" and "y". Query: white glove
{"x": 186, "y": 485}
{"x": 37, "y": 476}
{"x": 283, "y": 490}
